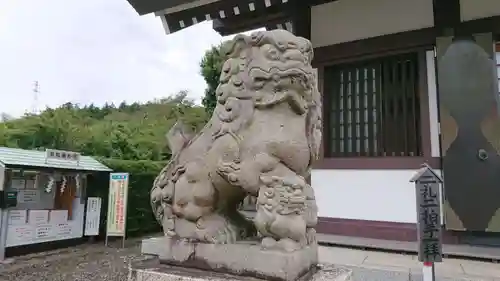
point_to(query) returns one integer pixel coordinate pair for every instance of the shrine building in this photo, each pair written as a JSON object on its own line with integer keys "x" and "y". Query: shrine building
{"x": 403, "y": 82}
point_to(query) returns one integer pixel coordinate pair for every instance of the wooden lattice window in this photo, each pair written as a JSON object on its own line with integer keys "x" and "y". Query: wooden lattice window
{"x": 373, "y": 108}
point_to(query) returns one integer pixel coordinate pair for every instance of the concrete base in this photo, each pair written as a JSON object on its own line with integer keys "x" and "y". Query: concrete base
{"x": 152, "y": 270}
{"x": 242, "y": 259}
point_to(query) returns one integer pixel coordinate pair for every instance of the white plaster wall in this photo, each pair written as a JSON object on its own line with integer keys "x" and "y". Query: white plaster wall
{"x": 433, "y": 104}
{"x": 377, "y": 195}
{"x": 349, "y": 20}
{"x": 477, "y": 9}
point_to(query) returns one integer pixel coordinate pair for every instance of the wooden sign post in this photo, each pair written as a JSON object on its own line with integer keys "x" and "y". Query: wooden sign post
{"x": 430, "y": 246}
{"x": 117, "y": 206}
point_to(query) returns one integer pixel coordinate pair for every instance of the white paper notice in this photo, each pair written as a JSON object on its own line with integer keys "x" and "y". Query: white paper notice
{"x": 38, "y": 217}
{"x": 17, "y": 217}
{"x": 63, "y": 230}
{"x": 28, "y": 196}
{"x": 93, "y": 216}
{"x": 24, "y": 233}
{"x": 44, "y": 231}
{"x": 31, "y": 184}
{"x": 18, "y": 184}
{"x": 58, "y": 216}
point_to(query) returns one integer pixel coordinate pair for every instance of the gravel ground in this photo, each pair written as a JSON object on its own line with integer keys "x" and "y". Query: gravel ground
{"x": 89, "y": 262}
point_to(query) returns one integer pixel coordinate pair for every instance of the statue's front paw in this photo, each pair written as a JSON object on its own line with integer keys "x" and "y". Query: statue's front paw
{"x": 230, "y": 166}
{"x": 268, "y": 243}
{"x": 285, "y": 244}
{"x": 288, "y": 245}
{"x": 225, "y": 235}
{"x": 216, "y": 229}
{"x": 230, "y": 171}
{"x": 171, "y": 233}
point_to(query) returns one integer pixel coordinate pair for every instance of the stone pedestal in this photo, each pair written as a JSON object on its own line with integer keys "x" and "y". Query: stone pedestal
{"x": 242, "y": 259}
{"x": 153, "y": 270}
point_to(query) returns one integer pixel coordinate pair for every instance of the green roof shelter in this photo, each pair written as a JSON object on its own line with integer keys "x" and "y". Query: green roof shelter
{"x": 43, "y": 197}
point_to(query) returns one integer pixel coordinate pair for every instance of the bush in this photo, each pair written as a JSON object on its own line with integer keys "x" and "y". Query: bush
{"x": 133, "y": 166}
{"x": 140, "y": 218}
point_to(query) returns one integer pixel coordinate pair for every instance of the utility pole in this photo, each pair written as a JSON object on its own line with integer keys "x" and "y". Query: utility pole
{"x": 34, "y": 108}
{"x": 36, "y": 91}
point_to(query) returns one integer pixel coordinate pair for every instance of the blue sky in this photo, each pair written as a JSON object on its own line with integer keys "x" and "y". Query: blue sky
{"x": 94, "y": 51}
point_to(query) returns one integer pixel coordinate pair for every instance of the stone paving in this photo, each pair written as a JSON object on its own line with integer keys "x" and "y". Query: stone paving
{"x": 94, "y": 262}
{"x": 368, "y": 265}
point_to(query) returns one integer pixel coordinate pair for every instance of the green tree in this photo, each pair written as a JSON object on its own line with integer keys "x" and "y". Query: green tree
{"x": 128, "y": 131}
{"x": 211, "y": 67}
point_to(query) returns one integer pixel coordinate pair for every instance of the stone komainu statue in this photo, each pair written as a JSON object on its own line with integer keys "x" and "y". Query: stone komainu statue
{"x": 261, "y": 140}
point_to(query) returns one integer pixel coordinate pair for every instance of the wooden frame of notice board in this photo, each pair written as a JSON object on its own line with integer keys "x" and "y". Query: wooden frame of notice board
{"x": 44, "y": 202}
{"x": 39, "y": 216}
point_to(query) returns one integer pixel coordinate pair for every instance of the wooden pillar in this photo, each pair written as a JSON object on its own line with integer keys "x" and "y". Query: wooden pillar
{"x": 446, "y": 16}
{"x": 300, "y": 12}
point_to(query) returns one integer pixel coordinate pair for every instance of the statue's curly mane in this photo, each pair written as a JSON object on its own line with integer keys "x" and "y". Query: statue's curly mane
{"x": 240, "y": 63}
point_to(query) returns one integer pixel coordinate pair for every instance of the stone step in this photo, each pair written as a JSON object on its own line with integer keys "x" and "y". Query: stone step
{"x": 246, "y": 258}
{"x": 192, "y": 261}
{"x": 168, "y": 273}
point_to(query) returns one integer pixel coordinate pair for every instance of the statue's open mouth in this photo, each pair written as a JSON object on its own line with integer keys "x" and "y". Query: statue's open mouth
{"x": 259, "y": 74}
{"x": 289, "y": 85}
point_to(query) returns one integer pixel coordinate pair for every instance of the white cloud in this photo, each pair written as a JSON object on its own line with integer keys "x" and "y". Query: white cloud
{"x": 94, "y": 51}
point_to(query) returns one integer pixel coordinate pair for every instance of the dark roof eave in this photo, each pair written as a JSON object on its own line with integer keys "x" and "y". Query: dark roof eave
{"x": 53, "y": 169}
{"x": 143, "y": 7}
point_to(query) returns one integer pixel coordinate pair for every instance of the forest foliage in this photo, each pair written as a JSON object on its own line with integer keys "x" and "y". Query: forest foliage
{"x": 211, "y": 67}
{"x": 125, "y": 131}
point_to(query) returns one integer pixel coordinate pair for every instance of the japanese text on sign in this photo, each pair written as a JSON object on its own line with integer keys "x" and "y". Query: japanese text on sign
{"x": 62, "y": 155}
{"x": 428, "y": 215}
{"x": 117, "y": 204}
{"x": 93, "y": 216}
